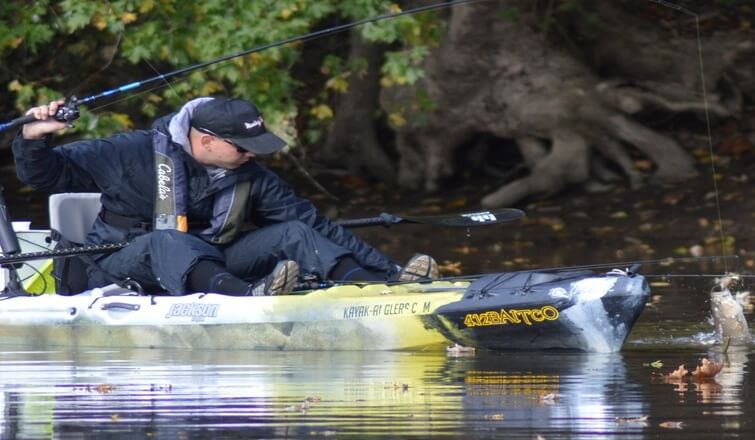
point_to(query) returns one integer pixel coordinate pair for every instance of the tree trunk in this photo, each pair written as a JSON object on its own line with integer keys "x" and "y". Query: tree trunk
{"x": 502, "y": 77}
{"x": 354, "y": 132}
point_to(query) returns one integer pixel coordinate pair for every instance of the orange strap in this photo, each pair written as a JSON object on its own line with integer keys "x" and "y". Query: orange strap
{"x": 182, "y": 223}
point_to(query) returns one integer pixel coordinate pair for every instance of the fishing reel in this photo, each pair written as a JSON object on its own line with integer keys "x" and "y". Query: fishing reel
{"x": 68, "y": 112}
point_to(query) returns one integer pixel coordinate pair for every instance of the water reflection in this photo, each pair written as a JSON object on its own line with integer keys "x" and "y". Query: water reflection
{"x": 166, "y": 394}
{"x": 552, "y": 393}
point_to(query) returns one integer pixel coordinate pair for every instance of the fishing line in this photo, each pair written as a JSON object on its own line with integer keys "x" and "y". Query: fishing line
{"x": 162, "y": 76}
{"x": 667, "y": 261}
{"x": 706, "y": 111}
{"x": 626, "y": 264}
{"x": 69, "y": 112}
{"x": 692, "y": 275}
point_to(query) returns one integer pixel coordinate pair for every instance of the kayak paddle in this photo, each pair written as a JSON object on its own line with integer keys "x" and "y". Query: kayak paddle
{"x": 465, "y": 219}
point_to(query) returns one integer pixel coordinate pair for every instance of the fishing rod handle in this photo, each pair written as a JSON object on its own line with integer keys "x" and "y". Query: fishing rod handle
{"x": 17, "y": 122}
{"x": 8, "y": 240}
{"x": 67, "y": 113}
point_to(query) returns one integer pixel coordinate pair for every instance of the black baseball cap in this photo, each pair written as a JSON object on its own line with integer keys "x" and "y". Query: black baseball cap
{"x": 238, "y": 121}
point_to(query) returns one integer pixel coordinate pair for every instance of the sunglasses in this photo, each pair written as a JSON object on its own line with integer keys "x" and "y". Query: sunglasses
{"x": 211, "y": 133}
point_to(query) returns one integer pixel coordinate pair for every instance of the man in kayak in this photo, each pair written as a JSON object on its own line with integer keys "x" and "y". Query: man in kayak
{"x": 187, "y": 195}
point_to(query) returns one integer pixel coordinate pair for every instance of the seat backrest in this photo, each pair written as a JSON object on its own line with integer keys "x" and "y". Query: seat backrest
{"x": 73, "y": 214}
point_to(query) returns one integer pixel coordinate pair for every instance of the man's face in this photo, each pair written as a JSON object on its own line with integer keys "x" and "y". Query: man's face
{"x": 224, "y": 154}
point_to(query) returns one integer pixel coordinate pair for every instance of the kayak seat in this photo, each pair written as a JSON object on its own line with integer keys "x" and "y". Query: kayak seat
{"x": 72, "y": 214}
{"x": 71, "y": 217}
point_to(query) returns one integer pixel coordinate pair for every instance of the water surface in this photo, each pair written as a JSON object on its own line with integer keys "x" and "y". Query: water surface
{"x": 233, "y": 394}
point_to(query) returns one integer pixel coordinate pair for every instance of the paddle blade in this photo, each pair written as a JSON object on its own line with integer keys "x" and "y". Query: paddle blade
{"x": 468, "y": 219}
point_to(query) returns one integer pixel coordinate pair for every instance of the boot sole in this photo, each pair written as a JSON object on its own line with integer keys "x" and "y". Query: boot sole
{"x": 422, "y": 268}
{"x": 285, "y": 277}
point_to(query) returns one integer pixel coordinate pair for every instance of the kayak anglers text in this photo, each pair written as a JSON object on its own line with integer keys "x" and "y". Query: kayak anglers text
{"x": 401, "y": 308}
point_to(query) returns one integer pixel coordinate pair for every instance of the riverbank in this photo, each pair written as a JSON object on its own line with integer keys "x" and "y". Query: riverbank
{"x": 572, "y": 228}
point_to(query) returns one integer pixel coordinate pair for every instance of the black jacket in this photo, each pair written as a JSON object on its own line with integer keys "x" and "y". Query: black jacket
{"x": 121, "y": 167}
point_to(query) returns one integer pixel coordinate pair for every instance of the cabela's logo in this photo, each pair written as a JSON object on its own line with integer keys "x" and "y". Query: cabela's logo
{"x": 164, "y": 171}
{"x": 196, "y": 311}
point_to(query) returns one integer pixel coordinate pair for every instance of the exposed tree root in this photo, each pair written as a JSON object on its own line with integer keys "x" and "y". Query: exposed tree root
{"x": 561, "y": 113}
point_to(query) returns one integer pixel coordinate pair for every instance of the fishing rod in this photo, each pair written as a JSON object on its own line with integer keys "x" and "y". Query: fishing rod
{"x": 69, "y": 111}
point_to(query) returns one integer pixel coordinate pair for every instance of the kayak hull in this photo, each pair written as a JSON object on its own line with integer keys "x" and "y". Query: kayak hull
{"x": 585, "y": 312}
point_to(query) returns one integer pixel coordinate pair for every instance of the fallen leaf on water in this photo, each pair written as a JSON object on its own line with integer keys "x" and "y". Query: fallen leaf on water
{"x": 707, "y": 370}
{"x": 646, "y": 227}
{"x": 115, "y": 418}
{"x": 673, "y": 198}
{"x": 494, "y": 417}
{"x": 105, "y": 388}
{"x": 465, "y": 250}
{"x": 678, "y": 374}
{"x": 736, "y": 145}
{"x": 457, "y": 203}
{"x": 681, "y": 250}
{"x": 700, "y": 152}
{"x": 641, "y": 419}
{"x": 655, "y": 364}
{"x": 450, "y": 267}
{"x": 601, "y": 230}
{"x": 555, "y": 223}
{"x": 671, "y": 425}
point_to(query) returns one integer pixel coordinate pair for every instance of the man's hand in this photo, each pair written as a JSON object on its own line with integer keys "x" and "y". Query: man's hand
{"x": 45, "y": 123}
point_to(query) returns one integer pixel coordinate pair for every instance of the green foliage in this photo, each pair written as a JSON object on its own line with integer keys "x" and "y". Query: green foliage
{"x": 50, "y": 47}
{"x": 24, "y": 25}
{"x": 403, "y": 67}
